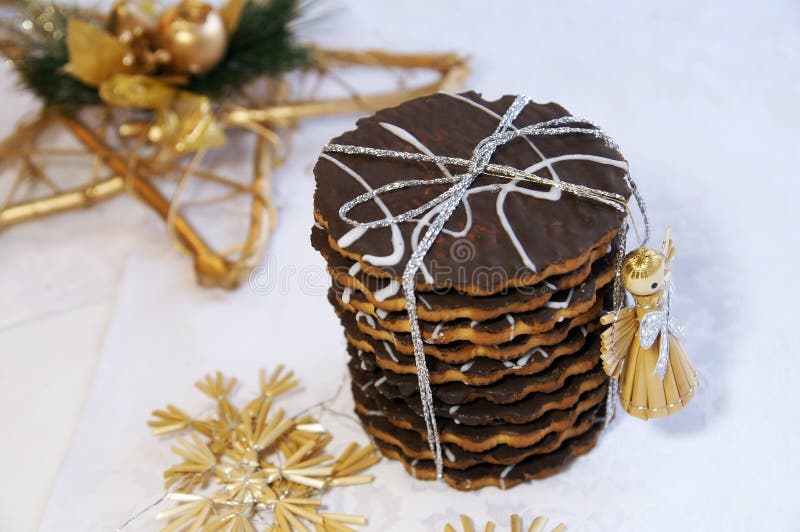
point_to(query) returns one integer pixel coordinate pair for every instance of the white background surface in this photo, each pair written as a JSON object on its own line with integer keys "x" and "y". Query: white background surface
{"x": 101, "y": 321}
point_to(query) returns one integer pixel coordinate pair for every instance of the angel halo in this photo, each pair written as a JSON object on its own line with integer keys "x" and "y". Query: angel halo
{"x": 641, "y": 346}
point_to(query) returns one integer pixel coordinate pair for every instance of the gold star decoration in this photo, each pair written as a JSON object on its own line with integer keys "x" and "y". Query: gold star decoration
{"x": 255, "y": 468}
{"x": 538, "y": 525}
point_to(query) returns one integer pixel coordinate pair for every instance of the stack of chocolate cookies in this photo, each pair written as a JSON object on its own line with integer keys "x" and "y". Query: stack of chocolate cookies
{"x": 509, "y": 296}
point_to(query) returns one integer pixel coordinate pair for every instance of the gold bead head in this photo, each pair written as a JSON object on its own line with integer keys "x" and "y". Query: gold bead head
{"x": 643, "y": 271}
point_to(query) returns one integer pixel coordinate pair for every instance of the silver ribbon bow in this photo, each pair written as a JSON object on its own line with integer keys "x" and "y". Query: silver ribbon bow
{"x": 449, "y": 200}
{"x": 660, "y": 323}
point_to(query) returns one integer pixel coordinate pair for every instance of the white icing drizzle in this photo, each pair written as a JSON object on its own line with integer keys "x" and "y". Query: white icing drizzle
{"x": 381, "y": 313}
{"x": 348, "y": 292}
{"x": 388, "y": 291}
{"x": 389, "y": 351}
{"x": 425, "y": 221}
{"x": 369, "y": 319}
{"x": 561, "y": 304}
{"x": 504, "y": 474}
{"x": 507, "y": 470}
{"x": 367, "y": 385}
{"x": 376, "y": 413}
{"x": 424, "y": 301}
{"x": 380, "y": 381}
{"x": 437, "y": 331}
{"x": 454, "y": 409}
{"x": 449, "y": 453}
{"x": 318, "y": 225}
{"x": 398, "y": 245}
{"x": 524, "y": 359}
{"x": 540, "y": 351}
{"x": 466, "y": 367}
{"x": 584, "y": 330}
{"x": 521, "y": 361}
{"x": 513, "y": 323}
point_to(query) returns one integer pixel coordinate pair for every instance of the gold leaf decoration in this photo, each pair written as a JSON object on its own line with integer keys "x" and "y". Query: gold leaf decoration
{"x": 94, "y": 54}
{"x": 247, "y": 466}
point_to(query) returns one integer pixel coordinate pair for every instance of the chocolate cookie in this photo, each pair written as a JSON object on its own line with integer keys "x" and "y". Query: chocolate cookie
{"x": 464, "y": 351}
{"x": 561, "y": 305}
{"x": 522, "y": 232}
{"x": 503, "y": 477}
{"x": 508, "y": 390}
{"x": 380, "y": 296}
{"x": 414, "y": 447}
{"x": 480, "y": 371}
{"x": 478, "y": 438}
{"x": 482, "y": 411}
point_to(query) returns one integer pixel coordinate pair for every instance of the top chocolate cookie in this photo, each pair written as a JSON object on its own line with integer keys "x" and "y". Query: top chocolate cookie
{"x": 506, "y": 233}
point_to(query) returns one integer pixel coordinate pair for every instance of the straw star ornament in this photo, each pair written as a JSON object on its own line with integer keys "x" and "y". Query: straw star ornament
{"x": 255, "y": 468}
{"x": 539, "y": 524}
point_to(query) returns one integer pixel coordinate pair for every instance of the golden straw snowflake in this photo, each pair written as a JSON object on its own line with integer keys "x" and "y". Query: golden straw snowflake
{"x": 538, "y": 525}
{"x": 255, "y": 467}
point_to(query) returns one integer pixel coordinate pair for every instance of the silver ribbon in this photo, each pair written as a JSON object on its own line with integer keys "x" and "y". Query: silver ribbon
{"x": 659, "y": 323}
{"x": 478, "y": 163}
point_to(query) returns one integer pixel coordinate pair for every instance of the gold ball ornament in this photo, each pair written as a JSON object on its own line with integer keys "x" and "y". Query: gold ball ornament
{"x": 194, "y": 36}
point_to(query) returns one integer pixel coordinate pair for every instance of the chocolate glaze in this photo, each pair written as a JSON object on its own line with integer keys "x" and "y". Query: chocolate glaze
{"x": 557, "y": 235}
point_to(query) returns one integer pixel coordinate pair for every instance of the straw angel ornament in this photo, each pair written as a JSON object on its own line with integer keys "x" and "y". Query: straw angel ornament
{"x": 641, "y": 346}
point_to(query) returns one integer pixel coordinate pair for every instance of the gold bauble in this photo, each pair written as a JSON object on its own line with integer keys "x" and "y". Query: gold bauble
{"x": 194, "y": 36}
{"x": 132, "y": 19}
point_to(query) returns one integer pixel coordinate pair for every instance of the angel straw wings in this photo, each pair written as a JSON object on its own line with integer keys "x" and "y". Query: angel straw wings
{"x": 641, "y": 346}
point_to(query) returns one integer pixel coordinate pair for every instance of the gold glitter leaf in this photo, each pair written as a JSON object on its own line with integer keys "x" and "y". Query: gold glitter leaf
{"x": 94, "y": 54}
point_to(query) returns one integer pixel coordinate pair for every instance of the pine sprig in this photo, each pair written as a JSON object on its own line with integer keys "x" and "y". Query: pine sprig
{"x": 263, "y": 44}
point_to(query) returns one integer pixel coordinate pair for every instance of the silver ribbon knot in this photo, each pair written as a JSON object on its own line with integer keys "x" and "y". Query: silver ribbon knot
{"x": 448, "y": 201}
{"x": 659, "y": 323}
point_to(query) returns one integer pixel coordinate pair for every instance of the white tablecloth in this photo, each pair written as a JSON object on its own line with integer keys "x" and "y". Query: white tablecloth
{"x": 703, "y": 99}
